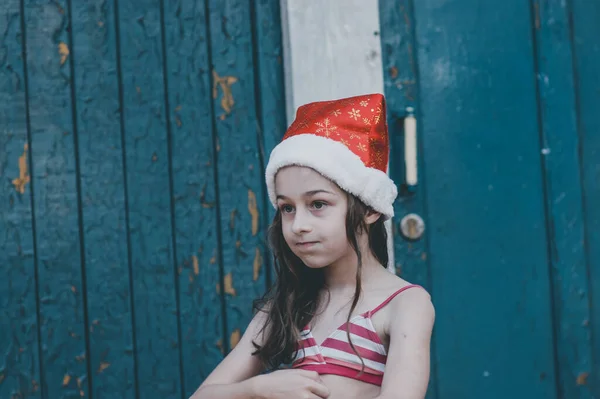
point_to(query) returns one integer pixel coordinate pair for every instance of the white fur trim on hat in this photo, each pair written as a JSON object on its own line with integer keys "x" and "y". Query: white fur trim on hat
{"x": 338, "y": 163}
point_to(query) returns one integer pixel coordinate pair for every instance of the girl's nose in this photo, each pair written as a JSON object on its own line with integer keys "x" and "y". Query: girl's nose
{"x": 301, "y": 223}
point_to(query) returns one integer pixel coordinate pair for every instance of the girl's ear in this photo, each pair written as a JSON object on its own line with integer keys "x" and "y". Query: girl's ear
{"x": 371, "y": 217}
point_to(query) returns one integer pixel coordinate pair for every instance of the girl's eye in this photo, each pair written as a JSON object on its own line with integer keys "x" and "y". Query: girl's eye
{"x": 287, "y": 209}
{"x": 319, "y": 205}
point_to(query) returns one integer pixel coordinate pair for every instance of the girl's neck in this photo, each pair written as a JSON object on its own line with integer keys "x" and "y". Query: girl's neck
{"x": 341, "y": 276}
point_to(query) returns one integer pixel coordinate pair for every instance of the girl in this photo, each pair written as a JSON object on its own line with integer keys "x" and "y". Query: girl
{"x": 347, "y": 326}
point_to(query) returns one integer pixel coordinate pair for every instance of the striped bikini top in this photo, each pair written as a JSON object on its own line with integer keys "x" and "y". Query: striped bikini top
{"x": 335, "y": 355}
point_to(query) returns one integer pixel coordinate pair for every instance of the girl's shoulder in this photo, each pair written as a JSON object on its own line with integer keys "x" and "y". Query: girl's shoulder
{"x": 402, "y": 298}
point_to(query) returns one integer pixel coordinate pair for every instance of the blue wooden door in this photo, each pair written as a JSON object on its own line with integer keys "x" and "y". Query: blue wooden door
{"x": 506, "y": 95}
{"x": 132, "y": 142}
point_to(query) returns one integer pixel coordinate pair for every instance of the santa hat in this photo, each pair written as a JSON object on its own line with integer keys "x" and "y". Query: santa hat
{"x": 345, "y": 140}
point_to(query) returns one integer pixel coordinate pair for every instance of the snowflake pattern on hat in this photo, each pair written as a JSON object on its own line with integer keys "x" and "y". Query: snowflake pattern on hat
{"x": 357, "y": 122}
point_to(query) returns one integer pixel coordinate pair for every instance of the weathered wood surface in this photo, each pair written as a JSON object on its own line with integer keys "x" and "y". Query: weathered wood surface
{"x": 565, "y": 219}
{"x": 150, "y": 214}
{"x": 400, "y": 76}
{"x": 96, "y": 78}
{"x": 19, "y": 339}
{"x": 585, "y": 31}
{"x": 239, "y": 171}
{"x": 61, "y": 285}
{"x": 188, "y": 73}
{"x": 487, "y": 244}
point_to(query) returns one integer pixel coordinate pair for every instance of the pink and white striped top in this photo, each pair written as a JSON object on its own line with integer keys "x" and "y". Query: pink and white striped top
{"x": 335, "y": 355}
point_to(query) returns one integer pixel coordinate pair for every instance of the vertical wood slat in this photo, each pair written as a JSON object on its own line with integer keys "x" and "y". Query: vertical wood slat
{"x": 399, "y": 60}
{"x": 19, "y": 340}
{"x": 54, "y": 176}
{"x": 270, "y": 100}
{"x": 104, "y": 221}
{"x": 239, "y": 171}
{"x": 149, "y": 199}
{"x": 189, "y": 97}
{"x": 564, "y": 208}
{"x": 585, "y": 33}
{"x": 484, "y": 200}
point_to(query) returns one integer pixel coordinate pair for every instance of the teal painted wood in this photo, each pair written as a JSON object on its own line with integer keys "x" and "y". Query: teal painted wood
{"x": 270, "y": 88}
{"x": 62, "y": 314}
{"x": 585, "y": 33}
{"x": 194, "y": 196}
{"x": 240, "y": 178}
{"x": 564, "y": 208}
{"x": 154, "y": 276}
{"x": 102, "y": 184}
{"x": 19, "y": 341}
{"x": 268, "y": 53}
{"x": 400, "y": 80}
{"x": 484, "y": 200}
{"x": 400, "y": 63}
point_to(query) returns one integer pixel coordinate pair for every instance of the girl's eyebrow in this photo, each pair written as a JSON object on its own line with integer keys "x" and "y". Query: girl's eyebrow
{"x": 309, "y": 194}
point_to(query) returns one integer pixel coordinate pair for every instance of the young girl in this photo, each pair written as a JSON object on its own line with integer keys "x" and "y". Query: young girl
{"x": 347, "y": 326}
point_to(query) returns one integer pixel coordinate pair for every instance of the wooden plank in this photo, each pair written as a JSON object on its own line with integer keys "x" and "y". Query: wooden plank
{"x": 240, "y": 178}
{"x": 149, "y": 199}
{"x": 332, "y": 50}
{"x": 485, "y": 205}
{"x": 19, "y": 339}
{"x": 270, "y": 88}
{"x": 189, "y": 98}
{"x": 585, "y": 33}
{"x": 103, "y": 204}
{"x": 565, "y": 218}
{"x": 401, "y": 90}
{"x": 54, "y": 178}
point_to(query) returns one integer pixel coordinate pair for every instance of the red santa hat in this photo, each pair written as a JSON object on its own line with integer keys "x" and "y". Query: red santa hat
{"x": 345, "y": 140}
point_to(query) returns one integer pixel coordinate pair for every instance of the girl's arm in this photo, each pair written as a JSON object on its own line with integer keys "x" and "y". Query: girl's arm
{"x": 236, "y": 377}
{"x": 233, "y": 377}
{"x": 407, "y": 369}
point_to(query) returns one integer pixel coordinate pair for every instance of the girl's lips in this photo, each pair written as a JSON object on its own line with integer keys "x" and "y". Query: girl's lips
{"x": 306, "y": 244}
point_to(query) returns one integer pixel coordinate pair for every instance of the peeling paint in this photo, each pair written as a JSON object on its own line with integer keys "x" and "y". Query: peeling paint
{"x": 582, "y": 378}
{"x": 196, "y": 265}
{"x": 224, "y": 83}
{"x": 21, "y": 181}
{"x": 253, "y": 209}
{"x": 235, "y": 338}
{"x": 232, "y": 215}
{"x": 219, "y": 344}
{"x": 257, "y": 264}
{"x": 66, "y": 380}
{"x": 228, "y": 282}
{"x": 103, "y": 366}
{"x": 63, "y": 50}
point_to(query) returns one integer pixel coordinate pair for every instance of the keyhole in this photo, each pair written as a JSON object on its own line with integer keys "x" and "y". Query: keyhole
{"x": 412, "y": 226}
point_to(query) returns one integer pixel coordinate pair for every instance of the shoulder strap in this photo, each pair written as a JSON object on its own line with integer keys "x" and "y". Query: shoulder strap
{"x": 372, "y": 312}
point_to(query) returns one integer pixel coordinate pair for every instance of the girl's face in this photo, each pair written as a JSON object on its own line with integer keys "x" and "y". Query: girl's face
{"x": 313, "y": 216}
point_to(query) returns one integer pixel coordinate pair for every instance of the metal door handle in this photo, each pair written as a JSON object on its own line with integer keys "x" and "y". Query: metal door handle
{"x": 410, "y": 148}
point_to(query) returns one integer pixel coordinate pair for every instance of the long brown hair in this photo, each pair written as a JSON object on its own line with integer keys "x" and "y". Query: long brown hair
{"x": 292, "y": 301}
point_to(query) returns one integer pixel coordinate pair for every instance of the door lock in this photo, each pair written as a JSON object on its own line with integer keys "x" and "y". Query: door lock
{"x": 412, "y": 226}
